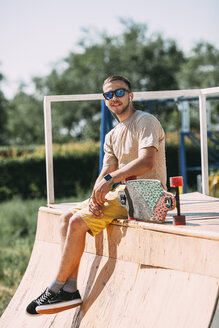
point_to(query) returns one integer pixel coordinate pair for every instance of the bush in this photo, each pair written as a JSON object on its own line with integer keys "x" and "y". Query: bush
{"x": 24, "y": 173}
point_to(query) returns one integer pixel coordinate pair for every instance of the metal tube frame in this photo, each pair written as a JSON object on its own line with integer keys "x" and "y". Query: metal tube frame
{"x": 148, "y": 95}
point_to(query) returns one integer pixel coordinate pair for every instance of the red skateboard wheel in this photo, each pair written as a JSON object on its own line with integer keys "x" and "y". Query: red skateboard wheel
{"x": 179, "y": 220}
{"x": 176, "y": 182}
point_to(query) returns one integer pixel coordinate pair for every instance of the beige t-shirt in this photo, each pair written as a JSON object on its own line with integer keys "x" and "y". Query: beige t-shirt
{"x": 124, "y": 141}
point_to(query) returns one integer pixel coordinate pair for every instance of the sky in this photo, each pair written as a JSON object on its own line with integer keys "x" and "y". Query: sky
{"x": 36, "y": 34}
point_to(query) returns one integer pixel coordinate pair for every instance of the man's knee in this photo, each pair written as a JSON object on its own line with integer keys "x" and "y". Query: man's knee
{"x": 77, "y": 225}
{"x": 64, "y": 221}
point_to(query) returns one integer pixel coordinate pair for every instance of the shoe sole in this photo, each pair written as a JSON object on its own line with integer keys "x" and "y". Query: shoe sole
{"x": 51, "y": 309}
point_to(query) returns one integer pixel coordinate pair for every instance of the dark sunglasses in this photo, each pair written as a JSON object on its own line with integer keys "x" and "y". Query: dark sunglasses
{"x": 117, "y": 93}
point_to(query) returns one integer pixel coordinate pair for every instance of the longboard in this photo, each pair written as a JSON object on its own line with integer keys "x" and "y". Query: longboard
{"x": 146, "y": 200}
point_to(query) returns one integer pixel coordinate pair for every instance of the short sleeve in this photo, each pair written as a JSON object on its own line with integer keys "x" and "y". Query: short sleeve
{"x": 149, "y": 132}
{"x": 109, "y": 156}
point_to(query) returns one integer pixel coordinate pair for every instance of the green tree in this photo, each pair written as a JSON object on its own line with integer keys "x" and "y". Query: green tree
{"x": 150, "y": 62}
{"x": 25, "y": 120}
{"x": 201, "y": 68}
{"x": 3, "y": 116}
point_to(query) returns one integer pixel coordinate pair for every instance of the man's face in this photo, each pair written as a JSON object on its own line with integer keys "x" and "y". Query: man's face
{"x": 118, "y": 105}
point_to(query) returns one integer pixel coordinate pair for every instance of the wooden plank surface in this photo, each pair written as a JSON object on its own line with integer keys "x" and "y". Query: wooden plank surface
{"x": 201, "y": 211}
{"x": 131, "y": 275}
{"x": 199, "y": 206}
{"x": 116, "y": 294}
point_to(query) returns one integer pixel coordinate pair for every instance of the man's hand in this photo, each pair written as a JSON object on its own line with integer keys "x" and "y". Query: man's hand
{"x": 100, "y": 191}
{"x": 95, "y": 209}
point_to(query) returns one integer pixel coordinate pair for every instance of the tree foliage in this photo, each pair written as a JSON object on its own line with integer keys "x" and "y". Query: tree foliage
{"x": 201, "y": 68}
{"x": 149, "y": 61}
{"x": 3, "y": 116}
{"x": 25, "y": 120}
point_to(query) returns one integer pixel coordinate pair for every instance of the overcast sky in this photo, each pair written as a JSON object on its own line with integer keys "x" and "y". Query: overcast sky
{"x": 34, "y": 34}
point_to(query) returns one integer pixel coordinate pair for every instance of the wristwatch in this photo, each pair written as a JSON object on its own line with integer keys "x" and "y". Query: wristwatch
{"x": 108, "y": 178}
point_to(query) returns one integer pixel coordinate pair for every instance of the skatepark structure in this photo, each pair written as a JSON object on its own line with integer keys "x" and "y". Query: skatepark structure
{"x": 132, "y": 275}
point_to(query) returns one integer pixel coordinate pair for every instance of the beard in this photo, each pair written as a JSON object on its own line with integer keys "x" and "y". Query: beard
{"x": 121, "y": 110}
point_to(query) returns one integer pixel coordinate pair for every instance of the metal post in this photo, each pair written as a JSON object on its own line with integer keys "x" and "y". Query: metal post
{"x": 208, "y": 109}
{"x": 106, "y": 125}
{"x": 49, "y": 152}
{"x": 204, "y": 143}
{"x": 183, "y": 107}
{"x": 102, "y": 134}
{"x": 183, "y": 160}
{"x": 149, "y": 103}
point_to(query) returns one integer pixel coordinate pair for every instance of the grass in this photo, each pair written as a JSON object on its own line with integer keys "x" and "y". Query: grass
{"x": 18, "y": 221}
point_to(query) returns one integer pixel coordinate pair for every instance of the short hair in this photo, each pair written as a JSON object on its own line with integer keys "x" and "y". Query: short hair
{"x": 118, "y": 78}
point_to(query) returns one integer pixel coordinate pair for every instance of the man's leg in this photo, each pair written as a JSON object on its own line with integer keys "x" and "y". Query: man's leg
{"x": 64, "y": 223}
{"x": 50, "y": 301}
{"x": 67, "y": 220}
{"x": 74, "y": 230}
{"x": 73, "y": 247}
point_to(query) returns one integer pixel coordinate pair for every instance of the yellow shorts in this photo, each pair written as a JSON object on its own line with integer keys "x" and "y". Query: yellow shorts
{"x": 111, "y": 210}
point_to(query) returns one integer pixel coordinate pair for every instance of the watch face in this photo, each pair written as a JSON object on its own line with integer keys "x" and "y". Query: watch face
{"x": 107, "y": 177}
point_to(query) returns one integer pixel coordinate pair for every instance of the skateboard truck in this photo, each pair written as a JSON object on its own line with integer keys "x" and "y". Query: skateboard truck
{"x": 176, "y": 182}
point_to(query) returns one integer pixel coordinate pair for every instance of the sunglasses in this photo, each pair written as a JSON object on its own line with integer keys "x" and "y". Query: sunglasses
{"x": 118, "y": 93}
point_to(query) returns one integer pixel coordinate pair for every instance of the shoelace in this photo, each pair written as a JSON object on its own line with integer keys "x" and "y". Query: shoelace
{"x": 42, "y": 298}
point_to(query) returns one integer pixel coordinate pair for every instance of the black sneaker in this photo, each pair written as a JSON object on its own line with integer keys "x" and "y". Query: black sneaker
{"x": 42, "y": 299}
{"x": 59, "y": 302}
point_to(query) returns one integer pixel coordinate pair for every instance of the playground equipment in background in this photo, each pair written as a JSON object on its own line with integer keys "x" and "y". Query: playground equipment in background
{"x": 194, "y": 137}
{"x": 213, "y": 183}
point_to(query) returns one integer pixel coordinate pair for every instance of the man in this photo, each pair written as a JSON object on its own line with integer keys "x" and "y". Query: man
{"x": 135, "y": 147}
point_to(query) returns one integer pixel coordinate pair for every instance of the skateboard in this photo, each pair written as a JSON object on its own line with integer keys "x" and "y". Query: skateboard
{"x": 146, "y": 200}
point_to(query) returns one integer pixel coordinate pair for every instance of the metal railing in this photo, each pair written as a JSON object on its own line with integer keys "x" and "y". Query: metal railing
{"x": 147, "y": 95}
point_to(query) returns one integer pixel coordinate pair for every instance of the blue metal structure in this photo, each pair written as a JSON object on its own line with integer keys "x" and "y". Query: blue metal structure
{"x": 212, "y": 154}
{"x": 194, "y": 138}
{"x": 106, "y": 126}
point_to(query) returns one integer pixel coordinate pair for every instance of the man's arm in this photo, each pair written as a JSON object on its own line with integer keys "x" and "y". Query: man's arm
{"x": 105, "y": 170}
{"x": 139, "y": 166}
{"x": 94, "y": 207}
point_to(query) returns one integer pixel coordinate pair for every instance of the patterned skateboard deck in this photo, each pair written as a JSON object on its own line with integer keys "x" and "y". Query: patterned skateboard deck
{"x": 146, "y": 200}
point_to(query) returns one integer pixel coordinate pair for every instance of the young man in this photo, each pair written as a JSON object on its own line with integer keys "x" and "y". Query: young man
{"x": 135, "y": 147}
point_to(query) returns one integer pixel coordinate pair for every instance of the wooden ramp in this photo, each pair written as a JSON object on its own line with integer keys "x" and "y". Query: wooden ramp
{"x": 133, "y": 274}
